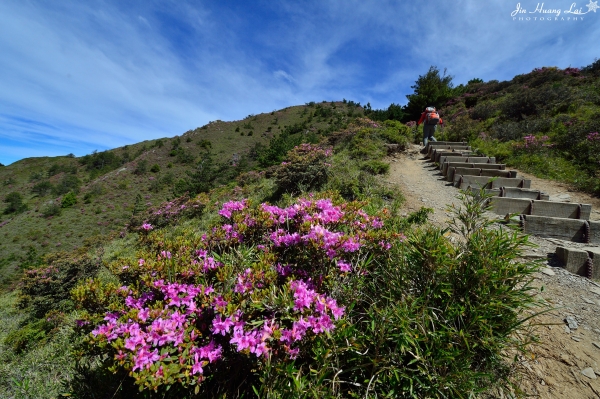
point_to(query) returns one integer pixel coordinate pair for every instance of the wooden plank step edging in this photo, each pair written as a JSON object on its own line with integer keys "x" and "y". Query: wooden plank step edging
{"x": 561, "y": 228}
{"x": 432, "y": 144}
{"x": 438, "y": 151}
{"x": 485, "y": 172}
{"x": 515, "y": 192}
{"x": 489, "y": 182}
{"x": 448, "y": 167}
{"x": 437, "y": 154}
{"x": 567, "y": 210}
{"x": 562, "y": 209}
{"x": 583, "y": 262}
{"x": 504, "y": 206}
{"x": 593, "y": 233}
{"x": 465, "y": 159}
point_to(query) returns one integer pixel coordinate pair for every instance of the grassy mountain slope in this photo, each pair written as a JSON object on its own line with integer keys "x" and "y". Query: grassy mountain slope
{"x": 110, "y": 187}
{"x": 545, "y": 122}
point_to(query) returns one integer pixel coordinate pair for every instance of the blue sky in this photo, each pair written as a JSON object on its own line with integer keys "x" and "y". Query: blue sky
{"x": 79, "y": 76}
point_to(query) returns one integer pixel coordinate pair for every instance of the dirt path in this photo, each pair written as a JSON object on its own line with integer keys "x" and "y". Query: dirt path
{"x": 566, "y": 362}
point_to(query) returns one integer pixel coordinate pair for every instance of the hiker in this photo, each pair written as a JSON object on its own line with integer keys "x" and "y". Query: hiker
{"x": 430, "y": 119}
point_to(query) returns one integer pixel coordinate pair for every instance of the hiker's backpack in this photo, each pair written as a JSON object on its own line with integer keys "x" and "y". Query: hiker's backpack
{"x": 432, "y": 117}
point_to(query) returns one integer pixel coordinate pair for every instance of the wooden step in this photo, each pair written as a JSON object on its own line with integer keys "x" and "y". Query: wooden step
{"x": 515, "y": 192}
{"x": 438, "y": 153}
{"x": 485, "y": 172}
{"x": 527, "y": 193}
{"x": 580, "y": 261}
{"x": 506, "y": 205}
{"x": 448, "y": 169}
{"x": 465, "y": 159}
{"x": 435, "y": 154}
{"x": 594, "y": 232}
{"x": 463, "y": 182}
{"x": 432, "y": 144}
{"x": 561, "y": 228}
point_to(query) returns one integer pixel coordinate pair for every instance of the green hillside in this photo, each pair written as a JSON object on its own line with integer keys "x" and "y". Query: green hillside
{"x": 110, "y": 187}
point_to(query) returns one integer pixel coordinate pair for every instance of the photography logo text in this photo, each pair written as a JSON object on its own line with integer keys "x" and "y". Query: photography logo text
{"x": 542, "y": 12}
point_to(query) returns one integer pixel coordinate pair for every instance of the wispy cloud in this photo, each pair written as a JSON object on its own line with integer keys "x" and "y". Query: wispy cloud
{"x": 79, "y": 76}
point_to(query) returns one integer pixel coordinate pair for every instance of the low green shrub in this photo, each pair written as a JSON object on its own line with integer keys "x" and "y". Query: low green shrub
{"x": 14, "y": 203}
{"x": 375, "y": 167}
{"x": 366, "y": 145}
{"x": 278, "y": 147}
{"x": 67, "y": 183}
{"x": 141, "y": 168}
{"x": 49, "y": 287}
{"x": 42, "y": 188}
{"x": 68, "y": 200}
{"x": 35, "y": 176}
{"x": 395, "y": 132}
{"x": 28, "y": 335}
{"x": 206, "y": 144}
{"x": 305, "y": 169}
{"x": 51, "y": 208}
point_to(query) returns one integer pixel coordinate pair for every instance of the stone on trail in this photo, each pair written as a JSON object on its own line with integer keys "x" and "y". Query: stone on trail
{"x": 589, "y": 373}
{"x": 562, "y": 197}
{"x": 548, "y": 271}
{"x": 571, "y": 322}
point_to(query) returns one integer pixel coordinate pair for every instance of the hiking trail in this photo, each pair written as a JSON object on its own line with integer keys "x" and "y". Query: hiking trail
{"x": 565, "y": 363}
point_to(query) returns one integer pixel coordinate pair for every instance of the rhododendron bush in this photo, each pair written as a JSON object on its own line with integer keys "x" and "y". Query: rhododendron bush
{"x": 256, "y": 289}
{"x": 305, "y": 168}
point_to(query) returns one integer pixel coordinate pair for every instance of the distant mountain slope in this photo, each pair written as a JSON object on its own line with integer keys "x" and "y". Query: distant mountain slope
{"x": 109, "y": 187}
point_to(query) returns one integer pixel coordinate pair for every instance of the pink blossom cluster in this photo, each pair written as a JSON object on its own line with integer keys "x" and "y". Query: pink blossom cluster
{"x": 231, "y": 206}
{"x": 208, "y": 262}
{"x": 314, "y": 223}
{"x": 199, "y": 315}
{"x": 140, "y": 334}
{"x": 248, "y": 280}
{"x": 531, "y": 142}
{"x": 170, "y": 211}
{"x": 147, "y": 227}
{"x": 42, "y": 275}
{"x": 144, "y": 330}
{"x": 594, "y": 136}
{"x": 571, "y": 71}
{"x": 311, "y": 148}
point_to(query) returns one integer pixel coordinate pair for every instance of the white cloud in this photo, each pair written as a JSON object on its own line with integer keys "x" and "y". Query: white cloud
{"x": 143, "y": 21}
{"x": 283, "y": 75}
